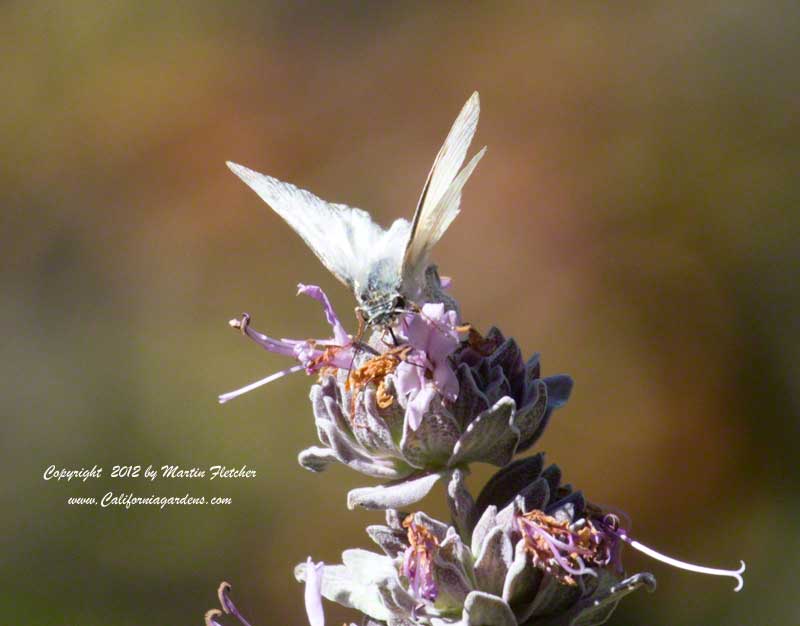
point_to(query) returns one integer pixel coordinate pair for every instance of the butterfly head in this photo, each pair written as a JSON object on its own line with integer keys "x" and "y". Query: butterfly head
{"x": 380, "y": 309}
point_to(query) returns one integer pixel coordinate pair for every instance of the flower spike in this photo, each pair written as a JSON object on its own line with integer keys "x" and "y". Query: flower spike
{"x": 415, "y": 397}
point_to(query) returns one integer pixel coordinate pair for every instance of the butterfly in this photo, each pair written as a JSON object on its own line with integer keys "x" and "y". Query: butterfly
{"x": 384, "y": 268}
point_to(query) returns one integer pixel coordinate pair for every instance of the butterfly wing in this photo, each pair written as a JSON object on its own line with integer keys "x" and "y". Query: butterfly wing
{"x": 441, "y": 196}
{"x": 343, "y": 238}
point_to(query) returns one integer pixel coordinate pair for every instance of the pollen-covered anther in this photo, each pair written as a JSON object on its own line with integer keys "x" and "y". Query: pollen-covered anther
{"x": 418, "y": 560}
{"x": 210, "y": 616}
{"x": 560, "y": 549}
{"x": 223, "y": 593}
{"x": 322, "y": 363}
{"x": 375, "y": 370}
{"x": 240, "y": 324}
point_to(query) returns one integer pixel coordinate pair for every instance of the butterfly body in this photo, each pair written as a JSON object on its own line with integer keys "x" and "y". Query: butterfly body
{"x": 384, "y": 268}
{"x": 380, "y": 297}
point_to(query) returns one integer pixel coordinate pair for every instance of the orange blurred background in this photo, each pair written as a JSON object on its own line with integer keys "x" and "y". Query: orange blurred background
{"x": 635, "y": 220}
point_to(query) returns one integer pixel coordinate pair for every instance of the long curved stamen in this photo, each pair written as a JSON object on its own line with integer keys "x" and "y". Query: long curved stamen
{"x": 259, "y": 383}
{"x": 227, "y": 604}
{"x": 701, "y": 569}
{"x": 560, "y": 558}
{"x": 569, "y": 546}
{"x": 566, "y": 552}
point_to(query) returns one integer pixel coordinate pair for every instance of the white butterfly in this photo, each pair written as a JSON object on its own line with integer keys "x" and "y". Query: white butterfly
{"x": 384, "y": 268}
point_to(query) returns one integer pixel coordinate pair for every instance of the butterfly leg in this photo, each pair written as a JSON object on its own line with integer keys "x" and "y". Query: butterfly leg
{"x": 362, "y": 324}
{"x": 357, "y": 343}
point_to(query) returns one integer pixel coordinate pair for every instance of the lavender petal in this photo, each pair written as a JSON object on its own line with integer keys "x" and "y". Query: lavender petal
{"x": 418, "y": 406}
{"x": 339, "y": 333}
{"x": 313, "y": 593}
{"x": 340, "y": 586}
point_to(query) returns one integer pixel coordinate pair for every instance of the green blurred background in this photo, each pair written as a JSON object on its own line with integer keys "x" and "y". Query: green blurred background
{"x": 635, "y": 220}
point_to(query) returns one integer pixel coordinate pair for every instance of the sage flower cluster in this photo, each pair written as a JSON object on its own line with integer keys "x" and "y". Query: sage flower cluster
{"x": 415, "y": 404}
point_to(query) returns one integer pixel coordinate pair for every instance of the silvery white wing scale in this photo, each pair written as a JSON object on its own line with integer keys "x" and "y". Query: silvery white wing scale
{"x": 383, "y": 268}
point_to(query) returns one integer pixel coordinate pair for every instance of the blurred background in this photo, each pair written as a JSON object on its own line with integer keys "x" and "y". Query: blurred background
{"x": 635, "y": 220}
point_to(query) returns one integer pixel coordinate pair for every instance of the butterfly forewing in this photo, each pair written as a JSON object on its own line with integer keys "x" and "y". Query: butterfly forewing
{"x": 437, "y": 208}
{"x": 440, "y": 219}
{"x": 343, "y": 238}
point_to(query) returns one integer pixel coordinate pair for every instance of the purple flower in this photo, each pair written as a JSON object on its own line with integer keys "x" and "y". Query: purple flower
{"x": 512, "y": 567}
{"x": 418, "y": 560}
{"x": 433, "y": 337}
{"x": 415, "y": 401}
{"x": 416, "y": 412}
{"x": 528, "y": 550}
{"x": 314, "y": 355}
{"x": 563, "y": 550}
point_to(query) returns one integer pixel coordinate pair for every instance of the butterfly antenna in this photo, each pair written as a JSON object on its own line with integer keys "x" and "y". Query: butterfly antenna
{"x": 358, "y": 347}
